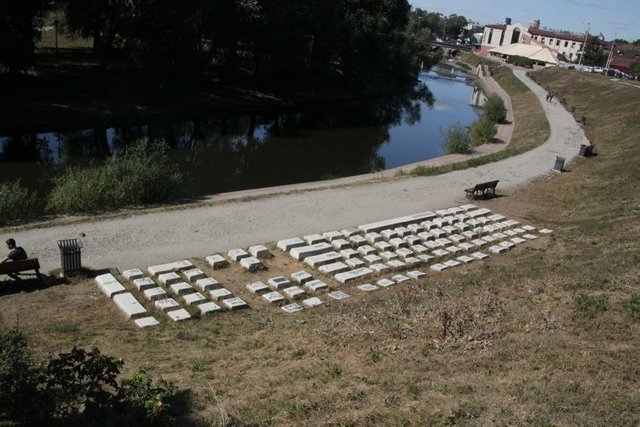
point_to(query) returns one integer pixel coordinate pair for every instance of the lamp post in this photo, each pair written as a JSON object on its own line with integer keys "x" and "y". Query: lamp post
{"x": 584, "y": 45}
{"x": 613, "y": 46}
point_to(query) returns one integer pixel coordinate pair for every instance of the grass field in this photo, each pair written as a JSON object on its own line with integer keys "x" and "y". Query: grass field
{"x": 547, "y": 334}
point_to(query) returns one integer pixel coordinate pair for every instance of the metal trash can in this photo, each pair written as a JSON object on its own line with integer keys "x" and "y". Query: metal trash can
{"x": 559, "y": 165}
{"x": 70, "y": 256}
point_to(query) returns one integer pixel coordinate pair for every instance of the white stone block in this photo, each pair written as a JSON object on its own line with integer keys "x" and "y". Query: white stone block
{"x": 367, "y": 287}
{"x": 404, "y": 252}
{"x": 496, "y": 249}
{"x": 468, "y": 207}
{"x": 428, "y": 225}
{"x": 144, "y": 283}
{"x": 145, "y": 322}
{"x": 415, "y": 274}
{"x": 301, "y": 277}
{"x": 385, "y": 283}
{"x": 153, "y": 294}
{"x": 530, "y": 236}
{"x": 207, "y": 284}
{"x": 418, "y": 249}
{"x": 194, "y": 298}
{"x": 372, "y": 259}
{"x": 355, "y": 263}
{"x": 217, "y": 261}
{"x": 412, "y": 240}
{"x": 349, "y": 276}
{"x": 349, "y": 232}
{"x": 449, "y": 229}
{"x": 399, "y": 278}
{"x": 293, "y": 292}
{"x": 469, "y": 234}
{"x": 518, "y": 240}
{"x": 273, "y": 297}
{"x": 237, "y": 254}
{"x": 279, "y": 282}
{"x": 349, "y": 253}
{"x": 338, "y": 295}
{"x": 383, "y": 246}
{"x": 453, "y": 249}
{"x": 357, "y": 240}
{"x": 169, "y": 278}
{"x": 257, "y": 287}
{"x": 545, "y": 231}
{"x": 128, "y": 304}
{"x": 366, "y": 250}
{"x": 519, "y": 230}
{"x": 340, "y": 244}
{"x": 316, "y": 261}
{"x": 330, "y": 236}
{"x": 373, "y": 237}
{"x": 220, "y": 294}
{"x": 412, "y": 260}
{"x": 499, "y": 236}
{"x": 235, "y": 303}
{"x": 438, "y": 233}
{"x": 209, "y": 307}
{"x": 313, "y": 239}
{"x": 333, "y": 268}
{"x": 397, "y": 222}
{"x": 440, "y": 253}
{"x": 166, "y": 304}
{"x": 402, "y": 231}
{"x": 528, "y": 228}
{"x": 396, "y": 264}
{"x": 397, "y": 243}
{"x": 488, "y": 239}
{"x": 379, "y": 267}
{"x": 510, "y": 233}
{"x": 465, "y": 259}
{"x": 251, "y": 264}
{"x": 479, "y": 242}
{"x": 109, "y": 285}
{"x": 425, "y": 258}
{"x": 387, "y": 255}
{"x": 194, "y": 274}
{"x": 315, "y": 285}
{"x": 496, "y": 218}
{"x": 456, "y": 238}
{"x": 479, "y": 255}
{"x": 312, "y": 302}
{"x": 438, "y": 267}
{"x": 181, "y": 288}
{"x": 133, "y": 274}
{"x": 452, "y": 263}
{"x": 292, "y": 308}
{"x": 178, "y": 315}
{"x": 288, "y": 244}
{"x": 156, "y": 270}
{"x": 507, "y": 244}
{"x": 389, "y": 234}
{"x": 467, "y": 246}
{"x": 416, "y": 228}
{"x": 301, "y": 252}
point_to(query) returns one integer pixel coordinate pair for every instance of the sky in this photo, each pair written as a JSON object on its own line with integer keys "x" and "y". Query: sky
{"x": 612, "y": 18}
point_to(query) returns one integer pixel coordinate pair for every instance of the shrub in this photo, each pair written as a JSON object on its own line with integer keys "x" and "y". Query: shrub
{"x": 482, "y": 131}
{"x": 520, "y": 61}
{"x": 16, "y": 202}
{"x": 456, "y": 139}
{"x": 143, "y": 173}
{"x": 494, "y": 109}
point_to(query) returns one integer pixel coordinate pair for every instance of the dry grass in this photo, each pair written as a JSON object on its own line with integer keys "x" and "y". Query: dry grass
{"x": 521, "y": 346}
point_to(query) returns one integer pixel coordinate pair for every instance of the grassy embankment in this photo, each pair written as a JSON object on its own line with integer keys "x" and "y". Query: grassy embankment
{"x": 546, "y": 334}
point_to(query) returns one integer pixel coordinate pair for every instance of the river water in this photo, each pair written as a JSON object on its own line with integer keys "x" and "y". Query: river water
{"x": 219, "y": 154}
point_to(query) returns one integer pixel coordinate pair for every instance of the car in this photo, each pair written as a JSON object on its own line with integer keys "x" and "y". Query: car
{"x": 598, "y": 70}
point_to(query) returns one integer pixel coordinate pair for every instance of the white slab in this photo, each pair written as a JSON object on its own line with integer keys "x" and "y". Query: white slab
{"x": 169, "y": 278}
{"x": 207, "y": 284}
{"x": 382, "y": 246}
{"x": 349, "y": 276}
{"x": 293, "y": 292}
{"x": 166, "y": 304}
{"x": 145, "y": 322}
{"x": 454, "y": 249}
{"x": 330, "y": 236}
{"x": 397, "y": 222}
{"x": 451, "y": 263}
{"x": 496, "y": 217}
{"x": 518, "y": 240}
{"x": 338, "y": 295}
{"x": 467, "y": 246}
{"x": 132, "y": 274}
{"x": 155, "y": 270}
{"x": 479, "y": 255}
{"x": 418, "y": 249}
{"x": 209, "y": 307}
{"x": 357, "y": 240}
{"x": 194, "y": 274}
{"x": 273, "y": 297}
{"x": 507, "y": 244}
{"x": 235, "y": 303}
{"x": 496, "y": 249}
{"x": 468, "y": 207}
{"x": 404, "y": 252}
{"x": 415, "y": 274}
{"x": 292, "y": 308}
{"x": 301, "y": 252}
{"x": 385, "y": 283}
{"x": 428, "y": 225}
{"x": 510, "y": 233}
{"x": 465, "y": 259}
{"x": 316, "y": 261}
{"x": 373, "y": 237}
{"x": 470, "y": 234}
{"x": 388, "y": 255}
{"x": 312, "y": 302}
{"x": 181, "y": 288}
{"x": 348, "y": 232}
{"x": 528, "y": 228}
{"x": 257, "y": 287}
{"x": 379, "y": 267}
{"x": 153, "y": 294}
{"x": 129, "y": 305}
{"x": 178, "y": 315}
{"x": 279, "y": 282}
{"x": 251, "y": 264}
{"x": 425, "y": 258}
{"x": 109, "y": 285}
{"x": 354, "y": 262}
{"x": 366, "y": 250}
{"x": 499, "y": 236}
{"x": 349, "y": 253}
{"x": 315, "y": 285}
{"x": 399, "y": 278}
{"x": 389, "y": 234}
{"x": 402, "y": 231}
{"x": 288, "y": 244}
{"x": 194, "y": 298}
{"x": 440, "y": 253}
{"x": 144, "y": 283}
{"x": 220, "y": 294}
{"x": 217, "y": 261}
{"x": 334, "y": 268}
{"x": 416, "y": 228}
{"x": 479, "y": 242}
{"x": 519, "y": 230}
{"x": 396, "y": 264}
{"x": 530, "y": 236}
{"x": 301, "y": 277}
{"x": 438, "y": 267}
{"x": 545, "y": 231}
{"x": 313, "y": 239}
{"x": 367, "y": 287}
{"x": 340, "y": 244}
{"x": 412, "y": 240}
{"x": 456, "y": 238}
{"x": 259, "y": 251}
{"x": 397, "y": 243}
{"x": 237, "y": 254}
{"x": 372, "y": 259}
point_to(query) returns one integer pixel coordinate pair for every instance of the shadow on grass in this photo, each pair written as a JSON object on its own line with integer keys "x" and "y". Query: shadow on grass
{"x": 29, "y": 283}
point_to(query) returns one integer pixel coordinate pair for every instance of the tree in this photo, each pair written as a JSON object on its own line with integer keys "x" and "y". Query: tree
{"x": 20, "y": 23}
{"x": 594, "y": 54}
{"x": 482, "y": 131}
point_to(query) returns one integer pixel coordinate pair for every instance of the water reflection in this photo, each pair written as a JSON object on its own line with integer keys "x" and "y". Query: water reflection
{"x": 220, "y": 154}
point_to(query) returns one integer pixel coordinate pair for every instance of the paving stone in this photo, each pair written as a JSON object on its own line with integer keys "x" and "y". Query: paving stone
{"x": 468, "y": 207}
{"x": 387, "y": 255}
{"x": 338, "y": 295}
{"x": 440, "y": 253}
{"x": 438, "y": 233}
{"x": 273, "y": 297}
{"x": 462, "y": 218}
{"x": 259, "y": 251}
{"x": 404, "y": 252}
{"x": 465, "y": 259}
{"x": 402, "y": 231}
{"x": 427, "y": 241}
{"x": 288, "y": 244}
{"x": 316, "y": 261}
{"x": 379, "y": 267}
{"x": 312, "y": 302}
{"x": 399, "y": 278}
{"x": 397, "y": 243}
{"x": 479, "y": 242}
{"x": 496, "y": 218}
{"x": 153, "y": 294}
{"x": 156, "y": 270}
{"x": 418, "y": 249}
{"x": 428, "y": 225}
{"x": 330, "y": 236}
{"x": 178, "y": 315}
{"x": 397, "y": 222}
{"x": 385, "y": 283}
{"x": 181, "y": 288}
{"x": 382, "y": 246}
{"x": 194, "y": 274}
{"x": 220, "y": 294}
{"x": 301, "y": 252}
{"x": 438, "y": 267}
{"x": 313, "y": 239}
{"x": 209, "y": 307}
{"x": 425, "y": 258}
{"x": 169, "y": 278}
{"x": 449, "y": 229}
{"x": 415, "y": 274}
{"x": 500, "y": 226}
{"x": 451, "y": 263}
{"x": 545, "y": 231}
{"x": 145, "y": 322}
{"x": 530, "y": 236}
{"x": 357, "y": 240}
{"x": 207, "y": 284}
{"x": 128, "y": 304}
{"x": 394, "y": 263}
{"x": 479, "y": 255}
{"x": 473, "y": 222}
{"x": 194, "y": 298}
{"x": 144, "y": 283}
{"x": 109, "y": 285}
{"x": 496, "y": 249}
{"x": 349, "y": 253}
{"x": 507, "y": 244}
{"x": 251, "y": 264}
{"x": 372, "y": 259}
{"x": 389, "y": 234}
{"x": 348, "y": 276}
{"x": 133, "y": 274}
{"x": 467, "y": 246}
{"x": 279, "y": 282}
{"x": 166, "y": 304}
{"x": 217, "y": 261}
{"x": 301, "y": 277}
{"x": 237, "y": 254}
{"x": 483, "y": 220}
{"x": 366, "y": 250}
{"x": 355, "y": 262}
{"x": 519, "y": 230}
{"x": 488, "y": 239}
{"x": 340, "y": 244}
{"x": 412, "y": 240}
{"x": 456, "y": 238}
{"x": 415, "y": 228}
{"x": 510, "y": 233}
{"x": 349, "y": 232}
{"x": 489, "y": 229}
{"x": 440, "y": 222}
{"x": 510, "y": 223}
{"x": 235, "y": 303}
{"x": 412, "y": 260}
{"x": 518, "y": 240}
{"x": 334, "y": 268}
{"x": 293, "y": 292}
{"x": 292, "y": 308}
{"x": 367, "y": 287}
{"x": 257, "y": 287}
{"x": 315, "y": 286}
{"x": 373, "y": 237}
{"x": 528, "y": 228}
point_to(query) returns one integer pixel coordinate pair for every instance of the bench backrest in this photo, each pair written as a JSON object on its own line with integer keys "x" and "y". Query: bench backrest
{"x": 16, "y": 266}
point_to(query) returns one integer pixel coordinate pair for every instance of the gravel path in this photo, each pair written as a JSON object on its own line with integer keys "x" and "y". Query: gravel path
{"x": 242, "y": 219}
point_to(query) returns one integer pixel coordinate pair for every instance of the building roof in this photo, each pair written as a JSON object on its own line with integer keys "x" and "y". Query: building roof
{"x": 556, "y": 34}
{"x": 497, "y": 26}
{"x": 536, "y": 53}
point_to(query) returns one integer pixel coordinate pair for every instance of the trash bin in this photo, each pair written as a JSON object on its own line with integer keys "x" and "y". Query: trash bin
{"x": 583, "y": 150}
{"x": 70, "y": 252}
{"x": 559, "y": 165}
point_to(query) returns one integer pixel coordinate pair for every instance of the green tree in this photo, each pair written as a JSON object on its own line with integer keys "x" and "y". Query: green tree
{"x": 495, "y": 109}
{"x": 594, "y": 54}
{"x": 455, "y": 140}
{"x": 482, "y": 131}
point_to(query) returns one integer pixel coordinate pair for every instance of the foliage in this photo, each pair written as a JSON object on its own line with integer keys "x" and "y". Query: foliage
{"x": 482, "y": 131}
{"x": 495, "y": 109}
{"x": 456, "y": 139}
{"x": 635, "y": 68}
{"x": 142, "y": 174}
{"x": 146, "y": 400}
{"x": 16, "y": 202}
{"x": 590, "y": 305}
{"x": 634, "y": 306}
{"x": 594, "y": 54}
{"x": 20, "y": 23}
{"x": 520, "y": 61}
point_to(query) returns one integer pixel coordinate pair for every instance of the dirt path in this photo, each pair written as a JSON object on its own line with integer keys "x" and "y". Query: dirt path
{"x": 267, "y": 215}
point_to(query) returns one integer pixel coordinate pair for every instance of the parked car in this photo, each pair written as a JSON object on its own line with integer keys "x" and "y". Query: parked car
{"x": 598, "y": 70}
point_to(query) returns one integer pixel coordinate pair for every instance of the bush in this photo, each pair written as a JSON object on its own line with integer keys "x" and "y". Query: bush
{"x": 456, "y": 139}
{"x": 16, "y": 202}
{"x": 494, "y": 109}
{"x": 520, "y": 61}
{"x": 482, "y": 131}
{"x": 142, "y": 174}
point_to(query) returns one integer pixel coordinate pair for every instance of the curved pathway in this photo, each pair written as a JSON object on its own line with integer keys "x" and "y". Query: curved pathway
{"x": 242, "y": 219}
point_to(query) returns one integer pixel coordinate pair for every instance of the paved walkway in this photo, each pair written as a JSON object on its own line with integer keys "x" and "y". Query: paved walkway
{"x": 245, "y": 218}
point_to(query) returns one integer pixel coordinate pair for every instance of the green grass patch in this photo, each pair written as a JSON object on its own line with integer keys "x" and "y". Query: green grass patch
{"x": 590, "y": 305}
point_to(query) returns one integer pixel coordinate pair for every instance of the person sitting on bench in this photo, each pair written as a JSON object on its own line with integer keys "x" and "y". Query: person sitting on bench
{"x": 16, "y": 253}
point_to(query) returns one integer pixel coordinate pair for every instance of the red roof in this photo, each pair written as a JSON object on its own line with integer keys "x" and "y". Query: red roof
{"x": 556, "y": 34}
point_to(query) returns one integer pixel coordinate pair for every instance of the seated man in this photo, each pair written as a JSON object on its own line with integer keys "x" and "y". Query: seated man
{"x": 16, "y": 253}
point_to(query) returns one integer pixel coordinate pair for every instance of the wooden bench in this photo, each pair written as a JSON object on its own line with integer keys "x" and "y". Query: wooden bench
{"x": 483, "y": 189}
{"x": 10, "y": 268}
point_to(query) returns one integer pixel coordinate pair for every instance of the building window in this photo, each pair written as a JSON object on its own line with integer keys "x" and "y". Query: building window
{"x": 557, "y": 42}
{"x": 573, "y": 45}
{"x": 542, "y": 40}
{"x": 490, "y": 36}
{"x": 502, "y": 37}
{"x": 566, "y": 43}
